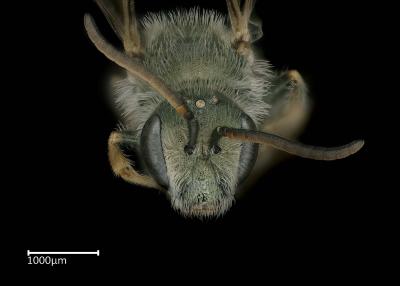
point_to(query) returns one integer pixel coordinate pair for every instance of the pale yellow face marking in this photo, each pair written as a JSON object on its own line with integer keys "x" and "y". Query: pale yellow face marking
{"x": 200, "y": 103}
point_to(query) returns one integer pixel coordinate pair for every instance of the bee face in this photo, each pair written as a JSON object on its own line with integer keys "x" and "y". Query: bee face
{"x": 202, "y": 184}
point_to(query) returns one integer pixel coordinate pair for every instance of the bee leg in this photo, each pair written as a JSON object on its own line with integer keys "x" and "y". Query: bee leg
{"x": 290, "y": 110}
{"x": 240, "y": 20}
{"x": 290, "y": 105}
{"x": 121, "y": 15}
{"x": 121, "y": 165}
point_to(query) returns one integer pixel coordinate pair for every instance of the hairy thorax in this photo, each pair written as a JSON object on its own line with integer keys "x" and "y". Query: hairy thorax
{"x": 194, "y": 56}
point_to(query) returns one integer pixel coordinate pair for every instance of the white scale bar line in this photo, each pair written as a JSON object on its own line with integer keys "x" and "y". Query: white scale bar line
{"x": 64, "y": 252}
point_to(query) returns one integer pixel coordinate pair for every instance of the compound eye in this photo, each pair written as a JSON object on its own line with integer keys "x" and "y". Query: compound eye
{"x": 152, "y": 151}
{"x": 249, "y": 152}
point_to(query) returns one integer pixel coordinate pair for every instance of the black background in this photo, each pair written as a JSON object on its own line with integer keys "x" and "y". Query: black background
{"x": 314, "y": 216}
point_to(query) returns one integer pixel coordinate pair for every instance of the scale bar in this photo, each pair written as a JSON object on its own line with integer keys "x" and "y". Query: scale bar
{"x": 64, "y": 252}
